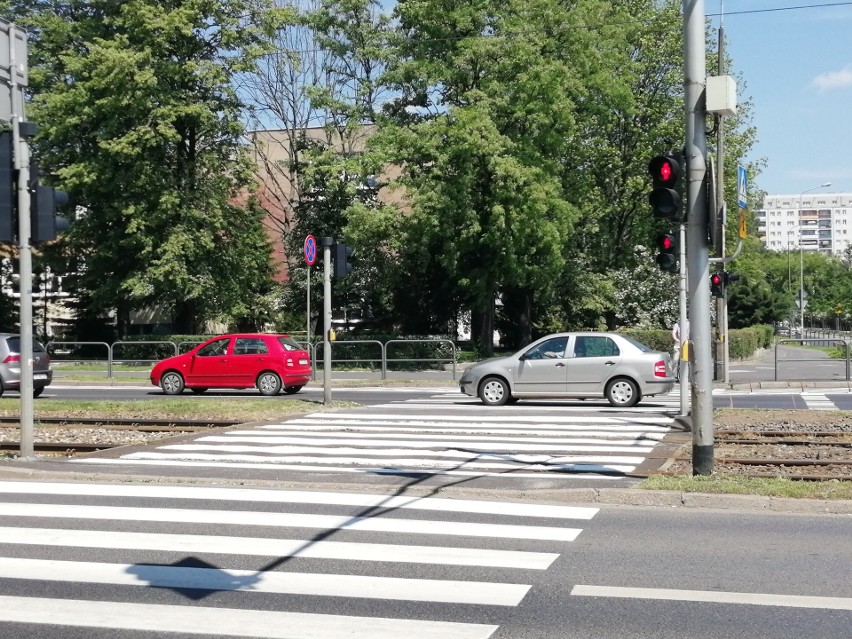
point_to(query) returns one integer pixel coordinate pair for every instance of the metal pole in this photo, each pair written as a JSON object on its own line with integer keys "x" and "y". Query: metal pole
{"x": 802, "y": 260}
{"x": 309, "y": 309}
{"x": 720, "y": 201}
{"x": 789, "y": 281}
{"x": 326, "y": 243}
{"x": 22, "y": 164}
{"x": 801, "y": 282}
{"x": 683, "y": 361}
{"x": 695, "y": 72}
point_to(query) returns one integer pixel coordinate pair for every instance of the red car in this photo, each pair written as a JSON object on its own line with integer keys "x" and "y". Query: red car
{"x": 268, "y": 361}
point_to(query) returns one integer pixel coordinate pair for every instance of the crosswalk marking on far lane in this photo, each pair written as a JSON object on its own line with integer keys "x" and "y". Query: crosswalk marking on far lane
{"x": 125, "y": 557}
{"x": 481, "y": 441}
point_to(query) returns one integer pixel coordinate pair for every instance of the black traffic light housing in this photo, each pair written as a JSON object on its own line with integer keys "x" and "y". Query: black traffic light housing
{"x": 667, "y": 255}
{"x": 342, "y": 255}
{"x": 717, "y": 285}
{"x": 665, "y": 198}
{"x": 45, "y": 201}
{"x": 7, "y": 190}
{"x": 728, "y": 278}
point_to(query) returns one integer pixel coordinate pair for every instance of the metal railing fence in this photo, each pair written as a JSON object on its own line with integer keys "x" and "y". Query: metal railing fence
{"x": 314, "y": 350}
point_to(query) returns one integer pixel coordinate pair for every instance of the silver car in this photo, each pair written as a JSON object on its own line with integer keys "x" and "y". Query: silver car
{"x": 573, "y": 365}
{"x": 10, "y": 365}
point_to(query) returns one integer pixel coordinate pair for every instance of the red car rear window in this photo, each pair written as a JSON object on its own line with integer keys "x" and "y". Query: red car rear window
{"x": 290, "y": 344}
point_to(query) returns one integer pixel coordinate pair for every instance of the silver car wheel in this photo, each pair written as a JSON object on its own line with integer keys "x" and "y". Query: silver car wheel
{"x": 494, "y": 392}
{"x": 172, "y": 384}
{"x": 622, "y": 392}
{"x": 269, "y": 384}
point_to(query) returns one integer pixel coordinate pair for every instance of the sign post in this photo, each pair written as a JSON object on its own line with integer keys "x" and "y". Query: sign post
{"x": 14, "y": 77}
{"x": 310, "y": 260}
{"x": 742, "y": 187}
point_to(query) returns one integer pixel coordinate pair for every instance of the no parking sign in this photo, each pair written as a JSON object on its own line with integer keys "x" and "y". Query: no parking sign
{"x": 310, "y": 250}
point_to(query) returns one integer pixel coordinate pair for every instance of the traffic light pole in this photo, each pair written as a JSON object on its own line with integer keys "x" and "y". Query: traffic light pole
{"x": 695, "y": 73}
{"x": 326, "y": 243}
{"x": 683, "y": 323}
{"x": 22, "y": 165}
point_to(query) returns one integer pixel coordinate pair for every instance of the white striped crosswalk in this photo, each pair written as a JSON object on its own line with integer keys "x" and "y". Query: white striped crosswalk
{"x": 133, "y": 557}
{"x": 409, "y": 437}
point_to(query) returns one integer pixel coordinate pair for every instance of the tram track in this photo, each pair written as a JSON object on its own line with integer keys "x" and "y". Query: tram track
{"x": 70, "y": 436}
{"x": 809, "y": 455}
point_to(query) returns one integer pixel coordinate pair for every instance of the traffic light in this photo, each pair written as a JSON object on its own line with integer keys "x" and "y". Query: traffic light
{"x": 44, "y": 202}
{"x": 727, "y": 278}
{"x": 342, "y": 264}
{"x": 667, "y": 256}
{"x": 7, "y": 189}
{"x": 665, "y": 200}
{"x": 717, "y": 285}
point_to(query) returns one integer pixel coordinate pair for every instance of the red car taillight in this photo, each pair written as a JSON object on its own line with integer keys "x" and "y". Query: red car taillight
{"x": 660, "y": 369}
{"x": 12, "y": 359}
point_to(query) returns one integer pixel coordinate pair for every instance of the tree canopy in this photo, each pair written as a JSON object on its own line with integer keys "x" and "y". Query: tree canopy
{"x": 487, "y": 160}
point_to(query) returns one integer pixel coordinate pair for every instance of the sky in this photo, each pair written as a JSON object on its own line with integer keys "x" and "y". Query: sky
{"x": 796, "y": 68}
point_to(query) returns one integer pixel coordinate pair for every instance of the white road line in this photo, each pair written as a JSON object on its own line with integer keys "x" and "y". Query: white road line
{"x": 602, "y": 464}
{"x": 399, "y": 455}
{"x": 263, "y": 547}
{"x": 342, "y": 469}
{"x": 365, "y": 500}
{"x": 409, "y": 426}
{"x": 709, "y": 596}
{"x": 497, "y": 418}
{"x": 661, "y": 407}
{"x": 227, "y": 621}
{"x": 818, "y": 401}
{"x": 291, "y": 583}
{"x": 477, "y": 444}
{"x": 290, "y": 520}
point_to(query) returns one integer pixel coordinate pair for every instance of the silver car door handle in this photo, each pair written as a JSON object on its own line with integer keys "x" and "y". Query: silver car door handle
{"x": 560, "y": 365}
{"x": 610, "y": 364}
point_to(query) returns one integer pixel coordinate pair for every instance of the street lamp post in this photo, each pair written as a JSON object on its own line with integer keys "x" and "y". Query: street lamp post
{"x": 790, "y": 318}
{"x": 802, "y": 261}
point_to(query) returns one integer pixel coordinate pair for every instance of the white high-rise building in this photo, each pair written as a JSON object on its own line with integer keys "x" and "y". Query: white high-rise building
{"x": 820, "y": 221}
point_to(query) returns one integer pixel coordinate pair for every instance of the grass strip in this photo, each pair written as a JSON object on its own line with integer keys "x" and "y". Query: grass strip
{"x": 768, "y": 487}
{"x": 242, "y": 409}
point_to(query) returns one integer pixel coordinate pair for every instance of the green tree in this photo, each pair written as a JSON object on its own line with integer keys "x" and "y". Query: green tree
{"x": 486, "y": 106}
{"x": 318, "y": 92}
{"x": 140, "y": 123}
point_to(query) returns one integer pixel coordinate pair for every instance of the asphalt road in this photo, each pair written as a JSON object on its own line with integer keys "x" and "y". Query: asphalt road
{"x": 128, "y": 561}
{"x": 608, "y": 586}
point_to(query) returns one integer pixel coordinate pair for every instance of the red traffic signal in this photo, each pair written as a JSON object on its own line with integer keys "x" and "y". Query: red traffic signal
{"x": 667, "y": 252}
{"x": 664, "y": 170}
{"x": 665, "y": 200}
{"x": 717, "y": 288}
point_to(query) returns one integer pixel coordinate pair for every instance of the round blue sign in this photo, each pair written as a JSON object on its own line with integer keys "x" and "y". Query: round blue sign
{"x": 310, "y": 250}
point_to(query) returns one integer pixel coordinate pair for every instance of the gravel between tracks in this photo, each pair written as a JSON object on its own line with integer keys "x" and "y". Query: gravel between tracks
{"x": 87, "y": 435}
{"x": 753, "y": 424}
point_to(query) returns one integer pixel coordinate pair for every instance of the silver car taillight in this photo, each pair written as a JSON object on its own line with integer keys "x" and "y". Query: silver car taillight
{"x": 660, "y": 369}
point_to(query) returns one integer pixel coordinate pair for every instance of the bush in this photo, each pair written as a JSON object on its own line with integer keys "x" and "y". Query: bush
{"x": 656, "y": 338}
